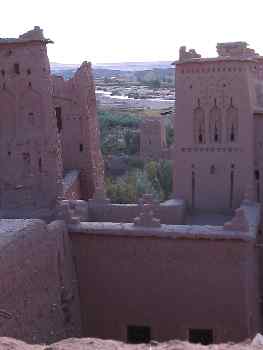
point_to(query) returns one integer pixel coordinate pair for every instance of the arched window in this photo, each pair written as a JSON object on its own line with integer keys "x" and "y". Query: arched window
{"x": 232, "y": 124}
{"x": 215, "y": 125}
{"x": 199, "y": 126}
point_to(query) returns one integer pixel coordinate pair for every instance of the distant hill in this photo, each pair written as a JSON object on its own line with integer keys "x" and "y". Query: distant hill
{"x": 122, "y": 66}
{"x": 134, "y": 66}
{"x": 62, "y": 67}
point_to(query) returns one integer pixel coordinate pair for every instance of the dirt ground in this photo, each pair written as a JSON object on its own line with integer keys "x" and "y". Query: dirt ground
{"x": 98, "y": 344}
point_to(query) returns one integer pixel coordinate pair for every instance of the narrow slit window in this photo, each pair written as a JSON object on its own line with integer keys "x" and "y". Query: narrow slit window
{"x": 40, "y": 165}
{"x": 17, "y": 68}
{"x": 58, "y": 113}
{"x": 257, "y": 179}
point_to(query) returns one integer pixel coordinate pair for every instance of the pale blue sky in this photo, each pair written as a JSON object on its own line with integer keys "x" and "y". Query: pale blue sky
{"x": 134, "y": 30}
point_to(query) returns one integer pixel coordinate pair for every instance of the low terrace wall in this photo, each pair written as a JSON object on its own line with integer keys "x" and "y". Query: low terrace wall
{"x": 169, "y": 212}
{"x": 171, "y": 279}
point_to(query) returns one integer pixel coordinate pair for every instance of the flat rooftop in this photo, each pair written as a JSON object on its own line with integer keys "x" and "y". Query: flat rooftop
{"x": 205, "y": 218}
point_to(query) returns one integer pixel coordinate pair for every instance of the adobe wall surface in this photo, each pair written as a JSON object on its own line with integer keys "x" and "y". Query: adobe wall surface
{"x": 31, "y": 176}
{"x": 170, "y": 285}
{"x": 170, "y": 278}
{"x": 39, "y": 295}
{"x": 152, "y": 138}
{"x": 214, "y": 126}
{"x": 75, "y": 103}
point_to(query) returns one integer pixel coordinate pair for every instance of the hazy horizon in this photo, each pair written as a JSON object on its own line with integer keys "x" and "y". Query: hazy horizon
{"x": 117, "y": 31}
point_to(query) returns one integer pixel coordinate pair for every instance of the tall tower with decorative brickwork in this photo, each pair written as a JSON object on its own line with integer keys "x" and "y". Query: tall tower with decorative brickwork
{"x": 216, "y": 100}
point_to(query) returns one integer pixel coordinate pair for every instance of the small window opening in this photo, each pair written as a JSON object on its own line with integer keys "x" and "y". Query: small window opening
{"x": 9, "y": 153}
{"x": 193, "y": 188}
{"x": 40, "y": 164}
{"x": 30, "y": 84}
{"x": 261, "y": 304}
{"x": 200, "y": 136}
{"x": 231, "y": 199}
{"x": 150, "y": 142}
{"x": 17, "y": 68}
{"x": 257, "y": 178}
{"x": 216, "y": 134}
{"x": 212, "y": 170}
{"x": 3, "y": 72}
{"x": 232, "y": 134}
{"x": 28, "y": 71}
{"x": 81, "y": 147}
{"x": 201, "y": 336}
{"x": 26, "y": 157}
{"x": 138, "y": 334}
{"x": 58, "y": 113}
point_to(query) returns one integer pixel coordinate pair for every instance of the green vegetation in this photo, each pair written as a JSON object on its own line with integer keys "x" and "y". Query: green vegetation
{"x": 108, "y": 119}
{"x": 169, "y": 135}
{"x": 119, "y": 133}
{"x": 120, "y": 136}
{"x": 155, "y": 178}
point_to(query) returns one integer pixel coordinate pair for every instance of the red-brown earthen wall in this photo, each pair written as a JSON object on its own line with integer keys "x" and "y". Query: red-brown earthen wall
{"x": 169, "y": 285}
{"x": 79, "y": 132}
{"x": 39, "y": 295}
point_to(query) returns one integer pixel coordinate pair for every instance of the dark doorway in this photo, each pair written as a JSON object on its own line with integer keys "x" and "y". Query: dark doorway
{"x": 58, "y": 112}
{"x": 201, "y": 336}
{"x": 138, "y": 334}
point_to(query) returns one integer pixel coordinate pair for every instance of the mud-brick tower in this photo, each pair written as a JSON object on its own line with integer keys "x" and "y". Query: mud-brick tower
{"x": 214, "y": 161}
{"x": 152, "y": 138}
{"x": 75, "y": 107}
{"x": 30, "y": 176}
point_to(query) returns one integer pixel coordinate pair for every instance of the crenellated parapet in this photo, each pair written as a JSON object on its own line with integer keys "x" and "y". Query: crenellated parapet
{"x": 185, "y": 55}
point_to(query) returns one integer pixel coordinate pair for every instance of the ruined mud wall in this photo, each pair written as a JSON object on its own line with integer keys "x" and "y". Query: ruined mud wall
{"x": 39, "y": 295}
{"x": 169, "y": 284}
{"x": 74, "y": 101}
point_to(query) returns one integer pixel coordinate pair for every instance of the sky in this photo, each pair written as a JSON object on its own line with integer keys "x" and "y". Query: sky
{"x": 104, "y": 31}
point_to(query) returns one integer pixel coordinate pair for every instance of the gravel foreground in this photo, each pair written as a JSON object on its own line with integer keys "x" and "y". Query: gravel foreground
{"x": 98, "y": 344}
